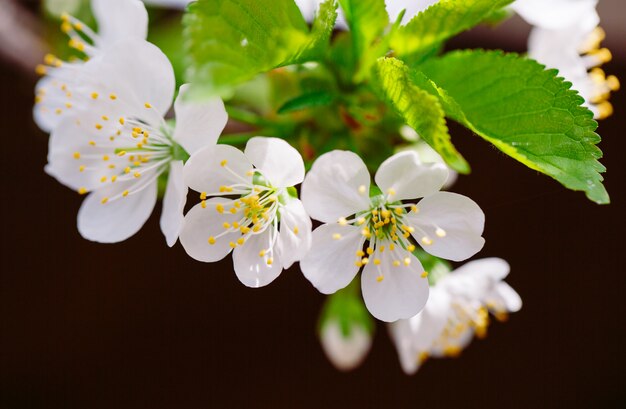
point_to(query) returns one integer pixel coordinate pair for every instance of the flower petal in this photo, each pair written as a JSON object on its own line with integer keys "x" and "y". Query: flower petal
{"x": 555, "y": 14}
{"x": 402, "y": 337}
{"x": 475, "y": 279}
{"x": 72, "y": 159}
{"x": 174, "y": 200}
{"x": 130, "y": 70}
{"x": 204, "y": 171}
{"x": 330, "y": 264}
{"x": 428, "y": 325}
{"x": 336, "y": 186}
{"x": 251, "y": 268}
{"x": 295, "y": 232}
{"x": 198, "y": 123}
{"x": 119, "y": 219}
{"x": 401, "y": 294}
{"x": 505, "y": 296}
{"x": 119, "y": 20}
{"x": 277, "y": 161}
{"x": 202, "y": 223}
{"x": 455, "y": 217}
{"x": 403, "y": 176}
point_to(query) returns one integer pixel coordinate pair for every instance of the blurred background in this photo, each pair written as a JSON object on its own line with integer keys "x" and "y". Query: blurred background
{"x": 135, "y": 324}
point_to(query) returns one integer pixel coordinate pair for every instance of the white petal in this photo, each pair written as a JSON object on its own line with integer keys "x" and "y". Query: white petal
{"x": 252, "y": 269}
{"x": 336, "y": 186}
{"x": 204, "y": 171}
{"x": 138, "y": 73}
{"x": 508, "y": 297}
{"x": 476, "y": 278}
{"x": 401, "y": 294}
{"x": 555, "y": 14}
{"x": 294, "y": 246}
{"x": 174, "y": 203}
{"x": 199, "y": 123}
{"x": 403, "y": 176}
{"x": 119, "y": 20}
{"x": 431, "y": 321}
{"x": 118, "y": 219}
{"x": 71, "y": 137}
{"x": 456, "y": 216}
{"x": 201, "y": 224}
{"x": 278, "y": 161}
{"x": 402, "y": 337}
{"x": 330, "y": 264}
{"x": 51, "y": 107}
{"x": 345, "y": 352}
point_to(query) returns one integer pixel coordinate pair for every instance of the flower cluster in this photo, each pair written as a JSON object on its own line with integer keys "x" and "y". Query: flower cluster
{"x": 121, "y": 134}
{"x": 112, "y": 141}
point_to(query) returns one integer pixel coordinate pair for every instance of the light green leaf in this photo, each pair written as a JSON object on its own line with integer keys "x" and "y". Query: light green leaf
{"x": 310, "y": 100}
{"x": 231, "y": 41}
{"x": 367, "y": 20}
{"x": 525, "y": 111}
{"x": 441, "y": 21}
{"x": 421, "y": 110}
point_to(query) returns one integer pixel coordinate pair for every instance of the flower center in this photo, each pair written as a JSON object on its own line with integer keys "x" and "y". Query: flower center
{"x": 256, "y": 209}
{"x": 385, "y": 227}
{"x": 125, "y": 150}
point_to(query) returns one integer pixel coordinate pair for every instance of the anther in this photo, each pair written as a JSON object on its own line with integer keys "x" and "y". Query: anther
{"x": 211, "y": 240}
{"x": 137, "y": 174}
{"x": 76, "y": 155}
{"x": 426, "y": 241}
{"x": 396, "y": 263}
{"x": 391, "y": 191}
{"x": 440, "y": 232}
{"x": 223, "y": 163}
{"x": 380, "y": 278}
{"x": 125, "y": 193}
{"x": 203, "y": 204}
{"x": 113, "y": 97}
{"x": 336, "y": 236}
{"x": 82, "y": 191}
{"x": 362, "y": 189}
{"x": 147, "y": 105}
{"x": 270, "y": 261}
{"x": 104, "y": 200}
{"x": 407, "y": 261}
{"x": 94, "y": 95}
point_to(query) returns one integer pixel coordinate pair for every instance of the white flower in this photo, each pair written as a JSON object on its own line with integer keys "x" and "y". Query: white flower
{"x": 458, "y": 309}
{"x": 119, "y": 145}
{"x": 59, "y": 91}
{"x": 337, "y": 192}
{"x": 345, "y": 351}
{"x": 566, "y": 36}
{"x": 260, "y": 218}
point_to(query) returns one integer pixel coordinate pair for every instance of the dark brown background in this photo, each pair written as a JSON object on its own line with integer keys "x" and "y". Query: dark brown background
{"x": 137, "y": 325}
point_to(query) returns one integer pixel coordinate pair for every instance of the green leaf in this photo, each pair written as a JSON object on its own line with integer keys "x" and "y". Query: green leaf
{"x": 231, "y": 41}
{"x": 441, "y": 21}
{"x": 310, "y": 100}
{"x": 525, "y": 111}
{"x": 367, "y": 20}
{"x": 421, "y": 110}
